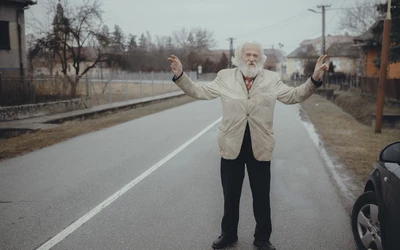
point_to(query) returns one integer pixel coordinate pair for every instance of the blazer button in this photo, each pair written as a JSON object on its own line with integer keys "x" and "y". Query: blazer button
{"x": 248, "y": 97}
{"x": 247, "y": 114}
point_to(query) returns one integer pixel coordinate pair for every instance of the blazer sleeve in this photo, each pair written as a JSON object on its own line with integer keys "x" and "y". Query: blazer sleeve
{"x": 292, "y": 95}
{"x": 199, "y": 91}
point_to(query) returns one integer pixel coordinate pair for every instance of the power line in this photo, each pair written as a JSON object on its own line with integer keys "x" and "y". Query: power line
{"x": 273, "y": 25}
{"x": 323, "y": 7}
{"x": 340, "y": 8}
{"x": 230, "y": 51}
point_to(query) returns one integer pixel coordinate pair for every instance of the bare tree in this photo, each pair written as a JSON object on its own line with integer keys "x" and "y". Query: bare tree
{"x": 360, "y": 17}
{"x": 181, "y": 38}
{"x": 75, "y": 38}
{"x": 196, "y": 39}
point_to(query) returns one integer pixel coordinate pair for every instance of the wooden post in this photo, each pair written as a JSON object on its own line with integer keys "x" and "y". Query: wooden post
{"x": 383, "y": 70}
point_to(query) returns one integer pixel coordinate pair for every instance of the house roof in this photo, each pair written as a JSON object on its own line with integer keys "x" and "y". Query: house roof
{"x": 340, "y": 47}
{"x": 304, "y": 51}
{"x": 275, "y": 53}
{"x": 21, "y": 2}
{"x": 329, "y": 39}
{"x": 367, "y": 38}
{"x": 343, "y": 50}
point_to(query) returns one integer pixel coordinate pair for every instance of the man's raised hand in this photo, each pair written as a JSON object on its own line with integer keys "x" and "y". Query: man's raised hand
{"x": 320, "y": 68}
{"x": 176, "y": 65}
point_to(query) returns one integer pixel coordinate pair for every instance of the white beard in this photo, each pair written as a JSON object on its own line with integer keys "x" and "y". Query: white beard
{"x": 248, "y": 71}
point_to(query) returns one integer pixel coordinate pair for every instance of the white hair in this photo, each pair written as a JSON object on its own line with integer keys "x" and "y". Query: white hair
{"x": 239, "y": 50}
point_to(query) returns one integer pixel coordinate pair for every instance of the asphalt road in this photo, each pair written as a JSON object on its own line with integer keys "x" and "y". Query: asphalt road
{"x": 96, "y": 191}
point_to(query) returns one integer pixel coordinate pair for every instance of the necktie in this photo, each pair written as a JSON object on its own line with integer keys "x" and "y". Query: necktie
{"x": 248, "y": 82}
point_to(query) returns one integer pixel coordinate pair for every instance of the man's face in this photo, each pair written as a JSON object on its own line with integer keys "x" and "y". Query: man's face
{"x": 251, "y": 55}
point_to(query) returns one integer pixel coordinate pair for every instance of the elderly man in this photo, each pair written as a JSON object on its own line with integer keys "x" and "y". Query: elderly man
{"x": 248, "y": 94}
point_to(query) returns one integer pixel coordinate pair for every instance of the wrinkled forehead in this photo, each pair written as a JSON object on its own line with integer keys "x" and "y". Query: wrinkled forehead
{"x": 251, "y": 48}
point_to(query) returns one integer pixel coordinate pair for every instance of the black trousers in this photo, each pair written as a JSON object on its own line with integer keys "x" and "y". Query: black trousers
{"x": 232, "y": 175}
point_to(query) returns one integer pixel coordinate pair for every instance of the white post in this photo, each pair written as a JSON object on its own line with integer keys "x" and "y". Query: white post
{"x": 162, "y": 80}
{"x": 140, "y": 82}
{"x": 109, "y": 89}
{"x": 90, "y": 90}
{"x": 152, "y": 83}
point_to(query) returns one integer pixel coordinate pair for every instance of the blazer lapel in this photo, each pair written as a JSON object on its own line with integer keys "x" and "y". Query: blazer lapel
{"x": 239, "y": 79}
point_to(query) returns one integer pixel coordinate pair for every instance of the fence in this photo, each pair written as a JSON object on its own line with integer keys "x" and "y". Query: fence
{"x": 116, "y": 87}
{"x": 369, "y": 85}
{"x": 366, "y": 85}
{"x": 28, "y": 90}
{"x": 108, "y": 88}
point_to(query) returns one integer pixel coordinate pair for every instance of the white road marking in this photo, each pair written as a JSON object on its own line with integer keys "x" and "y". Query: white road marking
{"x": 71, "y": 228}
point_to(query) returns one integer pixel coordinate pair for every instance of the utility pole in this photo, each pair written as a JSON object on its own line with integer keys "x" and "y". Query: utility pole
{"x": 280, "y": 47}
{"x": 387, "y": 25}
{"x": 323, "y": 25}
{"x": 230, "y": 52}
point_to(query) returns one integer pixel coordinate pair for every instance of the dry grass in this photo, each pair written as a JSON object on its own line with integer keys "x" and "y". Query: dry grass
{"x": 354, "y": 144}
{"x": 361, "y": 107}
{"x": 32, "y": 141}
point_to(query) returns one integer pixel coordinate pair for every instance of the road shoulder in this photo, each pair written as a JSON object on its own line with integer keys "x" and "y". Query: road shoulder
{"x": 351, "y": 145}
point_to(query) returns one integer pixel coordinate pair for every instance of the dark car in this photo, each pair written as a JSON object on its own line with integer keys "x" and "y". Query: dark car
{"x": 375, "y": 219}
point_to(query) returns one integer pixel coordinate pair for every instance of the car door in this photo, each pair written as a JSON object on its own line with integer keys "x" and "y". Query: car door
{"x": 392, "y": 200}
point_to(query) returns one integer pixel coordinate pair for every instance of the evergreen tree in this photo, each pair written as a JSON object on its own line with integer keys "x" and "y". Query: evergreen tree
{"x": 143, "y": 42}
{"x": 208, "y": 66}
{"x": 132, "y": 44}
{"x": 223, "y": 63}
{"x": 118, "y": 40}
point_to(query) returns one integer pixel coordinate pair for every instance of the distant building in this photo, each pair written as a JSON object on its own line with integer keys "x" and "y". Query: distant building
{"x": 297, "y": 59}
{"x": 12, "y": 38}
{"x": 370, "y": 47}
{"x": 339, "y": 49}
{"x": 344, "y": 57}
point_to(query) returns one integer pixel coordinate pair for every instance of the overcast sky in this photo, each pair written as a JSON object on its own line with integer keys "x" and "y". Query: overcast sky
{"x": 269, "y": 22}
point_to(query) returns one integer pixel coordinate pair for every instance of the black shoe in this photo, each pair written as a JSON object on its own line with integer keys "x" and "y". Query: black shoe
{"x": 224, "y": 241}
{"x": 263, "y": 245}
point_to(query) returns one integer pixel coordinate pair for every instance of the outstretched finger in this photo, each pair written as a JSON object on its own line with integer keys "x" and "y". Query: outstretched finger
{"x": 324, "y": 67}
{"x": 175, "y": 58}
{"x": 322, "y": 58}
{"x": 172, "y": 58}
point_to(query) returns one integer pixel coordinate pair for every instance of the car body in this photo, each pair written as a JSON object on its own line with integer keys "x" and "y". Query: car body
{"x": 376, "y": 213}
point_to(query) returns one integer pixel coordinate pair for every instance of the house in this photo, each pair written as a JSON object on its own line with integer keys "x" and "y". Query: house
{"x": 297, "y": 59}
{"x": 12, "y": 38}
{"x": 344, "y": 57}
{"x": 337, "y": 48}
{"x": 276, "y": 61}
{"x": 370, "y": 47}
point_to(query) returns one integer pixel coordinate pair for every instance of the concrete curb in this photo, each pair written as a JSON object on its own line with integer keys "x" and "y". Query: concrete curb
{"x": 49, "y": 121}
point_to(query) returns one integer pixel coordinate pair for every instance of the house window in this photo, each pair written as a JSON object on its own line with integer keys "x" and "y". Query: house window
{"x": 5, "y": 36}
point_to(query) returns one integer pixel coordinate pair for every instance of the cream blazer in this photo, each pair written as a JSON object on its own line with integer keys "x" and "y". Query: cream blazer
{"x": 240, "y": 107}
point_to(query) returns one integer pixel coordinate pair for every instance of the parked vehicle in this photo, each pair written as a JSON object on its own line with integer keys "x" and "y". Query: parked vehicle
{"x": 375, "y": 217}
